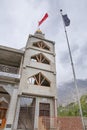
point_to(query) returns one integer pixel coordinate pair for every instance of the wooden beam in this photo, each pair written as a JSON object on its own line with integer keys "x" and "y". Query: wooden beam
{"x": 40, "y": 57}
{"x": 41, "y": 44}
{"x": 4, "y": 93}
{"x": 39, "y": 78}
{"x": 38, "y": 44}
{"x": 44, "y": 46}
{"x": 36, "y": 80}
{"x": 42, "y": 80}
{"x": 37, "y": 58}
{"x": 43, "y": 59}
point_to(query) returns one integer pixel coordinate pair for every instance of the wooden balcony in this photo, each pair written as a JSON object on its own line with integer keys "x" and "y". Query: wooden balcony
{"x": 10, "y": 62}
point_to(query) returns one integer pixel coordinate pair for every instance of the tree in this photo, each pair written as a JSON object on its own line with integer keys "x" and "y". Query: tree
{"x": 72, "y": 109}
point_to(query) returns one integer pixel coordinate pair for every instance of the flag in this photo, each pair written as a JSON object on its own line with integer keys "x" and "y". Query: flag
{"x": 44, "y": 18}
{"x": 66, "y": 20}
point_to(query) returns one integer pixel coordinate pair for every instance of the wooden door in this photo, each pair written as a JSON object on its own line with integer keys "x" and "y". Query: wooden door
{"x": 44, "y": 109}
{"x": 2, "y": 117}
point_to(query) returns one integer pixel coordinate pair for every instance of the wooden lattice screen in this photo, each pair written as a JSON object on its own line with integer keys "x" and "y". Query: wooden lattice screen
{"x": 41, "y": 45}
{"x": 40, "y": 58}
{"x": 39, "y": 79}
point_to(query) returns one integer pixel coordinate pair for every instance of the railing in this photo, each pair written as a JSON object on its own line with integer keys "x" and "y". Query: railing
{"x": 9, "y": 69}
{"x": 9, "y": 73}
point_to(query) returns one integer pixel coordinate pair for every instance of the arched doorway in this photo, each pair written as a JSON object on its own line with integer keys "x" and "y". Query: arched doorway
{"x": 4, "y": 104}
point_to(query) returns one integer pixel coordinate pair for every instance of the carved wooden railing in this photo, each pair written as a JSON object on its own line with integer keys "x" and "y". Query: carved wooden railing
{"x": 9, "y": 69}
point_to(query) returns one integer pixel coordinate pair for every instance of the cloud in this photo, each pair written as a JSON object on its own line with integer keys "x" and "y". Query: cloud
{"x": 19, "y": 18}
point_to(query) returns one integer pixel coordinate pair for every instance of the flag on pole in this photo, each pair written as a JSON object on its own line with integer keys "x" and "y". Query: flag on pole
{"x": 66, "y": 20}
{"x": 43, "y": 19}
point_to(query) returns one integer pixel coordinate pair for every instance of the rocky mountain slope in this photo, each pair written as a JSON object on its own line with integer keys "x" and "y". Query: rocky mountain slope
{"x": 67, "y": 92}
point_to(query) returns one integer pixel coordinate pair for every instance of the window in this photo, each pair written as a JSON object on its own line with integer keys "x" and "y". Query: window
{"x": 39, "y": 79}
{"x": 41, "y": 45}
{"x": 3, "y": 110}
{"x": 44, "y": 109}
{"x": 31, "y": 80}
{"x": 26, "y": 113}
{"x": 40, "y": 58}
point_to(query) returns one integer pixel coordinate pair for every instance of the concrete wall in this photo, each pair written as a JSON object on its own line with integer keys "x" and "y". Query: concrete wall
{"x": 35, "y": 89}
{"x": 28, "y": 62}
{"x": 31, "y": 40}
{"x": 31, "y": 68}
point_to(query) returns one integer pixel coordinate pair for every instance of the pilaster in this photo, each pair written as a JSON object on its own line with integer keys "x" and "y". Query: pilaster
{"x": 11, "y": 110}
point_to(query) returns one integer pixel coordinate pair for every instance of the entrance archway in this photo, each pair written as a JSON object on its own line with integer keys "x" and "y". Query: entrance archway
{"x": 26, "y": 113}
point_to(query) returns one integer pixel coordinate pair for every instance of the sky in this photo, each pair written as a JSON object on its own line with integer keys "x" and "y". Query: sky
{"x": 19, "y": 18}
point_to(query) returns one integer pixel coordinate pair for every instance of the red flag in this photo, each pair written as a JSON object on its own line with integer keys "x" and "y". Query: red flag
{"x": 44, "y": 18}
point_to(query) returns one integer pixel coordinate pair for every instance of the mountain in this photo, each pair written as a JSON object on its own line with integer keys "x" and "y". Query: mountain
{"x": 67, "y": 91}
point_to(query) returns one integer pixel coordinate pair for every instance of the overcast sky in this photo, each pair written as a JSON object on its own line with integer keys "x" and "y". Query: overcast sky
{"x": 19, "y": 18}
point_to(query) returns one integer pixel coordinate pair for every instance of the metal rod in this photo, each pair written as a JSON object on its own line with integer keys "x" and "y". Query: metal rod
{"x": 74, "y": 75}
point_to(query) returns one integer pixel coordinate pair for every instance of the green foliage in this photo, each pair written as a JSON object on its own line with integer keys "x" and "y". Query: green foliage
{"x": 72, "y": 109}
{"x": 84, "y": 104}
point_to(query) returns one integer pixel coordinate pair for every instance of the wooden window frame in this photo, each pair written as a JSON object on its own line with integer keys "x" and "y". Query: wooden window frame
{"x": 40, "y": 58}
{"x": 40, "y": 80}
{"x": 42, "y": 45}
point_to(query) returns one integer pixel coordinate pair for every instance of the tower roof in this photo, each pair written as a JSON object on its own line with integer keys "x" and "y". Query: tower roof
{"x": 39, "y": 33}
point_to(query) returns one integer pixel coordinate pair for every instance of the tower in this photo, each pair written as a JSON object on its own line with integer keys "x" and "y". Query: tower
{"x": 38, "y": 79}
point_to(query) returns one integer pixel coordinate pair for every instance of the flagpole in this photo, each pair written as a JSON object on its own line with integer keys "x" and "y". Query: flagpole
{"x": 74, "y": 75}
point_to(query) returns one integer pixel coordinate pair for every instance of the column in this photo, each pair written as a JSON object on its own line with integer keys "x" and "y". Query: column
{"x": 11, "y": 110}
{"x": 16, "y": 115}
{"x": 36, "y": 114}
{"x": 55, "y": 107}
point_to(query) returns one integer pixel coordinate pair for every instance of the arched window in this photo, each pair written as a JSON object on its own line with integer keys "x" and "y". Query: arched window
{"x": 41, "y": 45}
{"x": 40, "y": 58}
{"x": 39, "y": 79}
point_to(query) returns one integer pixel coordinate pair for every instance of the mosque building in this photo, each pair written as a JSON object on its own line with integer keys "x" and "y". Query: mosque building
{"x": 28, "y": 84}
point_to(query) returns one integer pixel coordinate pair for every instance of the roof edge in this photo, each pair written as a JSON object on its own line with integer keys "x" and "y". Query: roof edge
{"x": 53, "y": 42}
{"x": 11, "y": 49}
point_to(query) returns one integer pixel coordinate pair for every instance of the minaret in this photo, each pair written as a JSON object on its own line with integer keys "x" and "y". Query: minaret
{"x": 38, "y": 79}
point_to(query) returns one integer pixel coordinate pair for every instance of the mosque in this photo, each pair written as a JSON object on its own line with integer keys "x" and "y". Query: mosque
{"x": 28, "y": 92}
